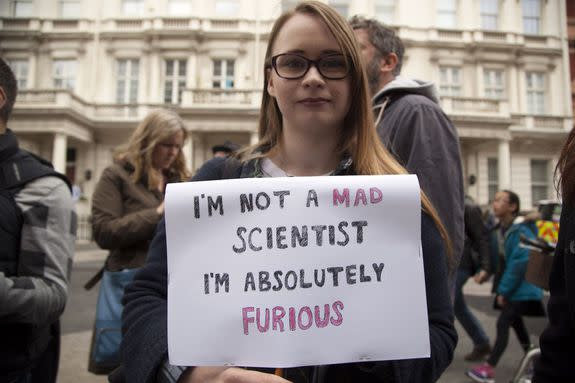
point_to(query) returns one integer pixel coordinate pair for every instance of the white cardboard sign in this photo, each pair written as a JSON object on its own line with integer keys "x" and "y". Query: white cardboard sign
{"x": 284, "y": 272}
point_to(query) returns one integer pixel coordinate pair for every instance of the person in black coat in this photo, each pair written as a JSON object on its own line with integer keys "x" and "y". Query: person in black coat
{"x": 557, "y": 342}
{"x": 475, "y": 263}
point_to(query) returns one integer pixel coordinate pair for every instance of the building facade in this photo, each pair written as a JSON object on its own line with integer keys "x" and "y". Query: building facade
{"x": 88, "y": 71}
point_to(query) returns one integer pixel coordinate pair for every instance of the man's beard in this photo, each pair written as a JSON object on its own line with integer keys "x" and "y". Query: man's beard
{"x": 373, "y": 74}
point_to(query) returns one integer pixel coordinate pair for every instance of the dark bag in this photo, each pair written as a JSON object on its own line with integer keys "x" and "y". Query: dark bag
{"x": 107, "y": 334}
{"x": 539, "y": 269}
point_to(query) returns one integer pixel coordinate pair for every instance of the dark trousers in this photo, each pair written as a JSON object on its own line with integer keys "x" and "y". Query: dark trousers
{"x": 45, "y": 368}
{"x": 510, "y": 317}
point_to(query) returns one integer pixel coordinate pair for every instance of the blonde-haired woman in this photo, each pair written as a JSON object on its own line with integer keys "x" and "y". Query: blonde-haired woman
{"x": 128, "y": 200}
{"x": 315, "y": 119}
{"x": 128, "y": 204}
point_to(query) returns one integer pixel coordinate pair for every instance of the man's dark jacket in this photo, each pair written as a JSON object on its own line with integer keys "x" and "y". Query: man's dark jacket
{"x": 416, "y": 131}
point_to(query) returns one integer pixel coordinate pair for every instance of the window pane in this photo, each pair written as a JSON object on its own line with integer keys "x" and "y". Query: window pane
{"x": 227, "y": 7}
{"x": 230, "y": 68}
{"x": 446, "y": 20}
{"x": 489, "y": 22}
{"x": 385, "y": 11}
{"x": 179, "y": 7}
{"x": 531, "y": 15}
{"x": 23, "y": 9}
{"x": 182, "y": 68}
{"x": 169, "y": 67}
{"x": 133, "y": 7}
{"x": 135, "y": 67}
{"x": 489, "y": 6}
{"x": 120, "y": 91}
{"x": 492, "y": 177}
{"x": 20, "y": 70}
{"x": 217, "y": 67}
{"x": 492, "y": 169}
{"x": 70, "y": 9}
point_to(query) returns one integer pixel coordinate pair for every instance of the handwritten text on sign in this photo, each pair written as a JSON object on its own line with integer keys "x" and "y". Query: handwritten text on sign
{"x": 282, "y": 272}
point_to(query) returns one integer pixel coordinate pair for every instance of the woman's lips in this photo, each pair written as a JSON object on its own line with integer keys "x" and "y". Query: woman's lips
{"x": 314, "y": 101}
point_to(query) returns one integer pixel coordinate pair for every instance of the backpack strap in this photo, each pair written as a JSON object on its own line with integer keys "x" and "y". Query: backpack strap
{"x": 24, "y": 167}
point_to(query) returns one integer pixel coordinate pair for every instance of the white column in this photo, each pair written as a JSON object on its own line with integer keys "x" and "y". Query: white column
{"x": 189, "y": 152}
{"x": 154, "y": 84}
{"x": 59, "y": 152}
{"x": 504, "y": 164}
{"x": 254, "y": 138}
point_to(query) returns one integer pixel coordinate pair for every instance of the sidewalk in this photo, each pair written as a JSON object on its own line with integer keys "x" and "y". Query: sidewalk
{"x": 78, "y": 318}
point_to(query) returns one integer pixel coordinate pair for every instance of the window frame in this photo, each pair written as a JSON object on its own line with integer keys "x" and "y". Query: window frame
{"x": 179, "y": 12}
{"x": 442, "y": 13}
{"x": 540, "y": 184}
{"x": 493, "y": 90}
{"x": 14, "y": 10}
{"x": 61, "y": 8}
{"x": 537, "y": 18}
{"x": 175, "y": 80}
{"x": 227, "y": 13}
{"x": 450, "y": 88}
{"x": 66, "y": 80}
{"x": 484, "y": 13}
{"x": 341, "y": 6}
{"x": 223, "y": 77}
{"x": 139, "y": 10}
{"x": 129, "y": 93}
{"x": 492, "y": 177}
{"x": 534, "y": 95}
{"x": 16, "y": 64}
{"x": 387, "y": 16}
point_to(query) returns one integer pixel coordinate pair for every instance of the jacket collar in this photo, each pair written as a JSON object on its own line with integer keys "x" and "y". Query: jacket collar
{"x": 252, "y": 168}
{"x": 8, "y": 145}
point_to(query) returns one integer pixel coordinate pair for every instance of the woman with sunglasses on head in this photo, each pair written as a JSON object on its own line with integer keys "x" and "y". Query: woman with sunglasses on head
{"x": 315, "y": 119}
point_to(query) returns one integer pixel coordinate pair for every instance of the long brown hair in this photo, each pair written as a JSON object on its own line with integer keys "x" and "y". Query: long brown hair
{"x": 359, "y": 138}
{"x": 565, "y": 170}
{"x": 158, "y": 126}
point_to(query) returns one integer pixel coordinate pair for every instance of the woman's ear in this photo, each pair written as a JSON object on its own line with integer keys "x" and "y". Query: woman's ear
{"x": 270, "y": 85}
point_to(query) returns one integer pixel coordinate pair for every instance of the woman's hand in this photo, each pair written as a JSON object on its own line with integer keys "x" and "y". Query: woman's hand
{"x": 160, "y": 209}
{"x": 227, "y": 375}
{"x": 501, "y": 301}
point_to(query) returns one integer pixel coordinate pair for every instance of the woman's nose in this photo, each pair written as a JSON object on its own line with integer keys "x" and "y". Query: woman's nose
{"x": 313, "y": 77}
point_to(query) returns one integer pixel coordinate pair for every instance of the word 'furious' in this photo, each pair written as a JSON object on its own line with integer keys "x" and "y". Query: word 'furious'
{"x": 304, "y": 318}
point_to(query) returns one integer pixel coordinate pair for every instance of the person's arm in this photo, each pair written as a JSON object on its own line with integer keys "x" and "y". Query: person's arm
{"x": 479, "y": 236}
{"x": 113, "y": 228}
{"x": 38, "y": 294}
{"x": 442, "y": 334}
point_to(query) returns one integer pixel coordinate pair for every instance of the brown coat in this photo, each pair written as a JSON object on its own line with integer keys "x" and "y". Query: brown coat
{"x": 124, "y": 217}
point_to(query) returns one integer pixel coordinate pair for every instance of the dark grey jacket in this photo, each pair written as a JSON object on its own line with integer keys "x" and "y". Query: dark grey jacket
{"x": 417, "y": 132}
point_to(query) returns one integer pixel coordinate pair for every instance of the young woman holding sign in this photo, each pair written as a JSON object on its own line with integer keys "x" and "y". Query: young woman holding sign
{"x": 315, "y": 119}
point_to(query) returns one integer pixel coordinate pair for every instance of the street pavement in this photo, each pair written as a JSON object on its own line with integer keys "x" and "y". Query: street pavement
{"x": 78, "y": 320}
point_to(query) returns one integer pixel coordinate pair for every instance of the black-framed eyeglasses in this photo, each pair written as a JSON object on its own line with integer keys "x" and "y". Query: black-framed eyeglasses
{"x": 292, "y": 66}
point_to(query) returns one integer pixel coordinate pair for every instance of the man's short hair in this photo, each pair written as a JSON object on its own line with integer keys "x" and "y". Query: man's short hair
{"x": 382, "y": 38}
{"x": 10, "y": 86}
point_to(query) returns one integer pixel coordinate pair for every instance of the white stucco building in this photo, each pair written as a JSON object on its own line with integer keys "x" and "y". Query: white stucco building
{"x": 90, "y": 70}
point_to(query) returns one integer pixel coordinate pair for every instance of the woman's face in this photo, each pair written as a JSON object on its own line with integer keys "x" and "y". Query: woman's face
{"x": 166, "y": 151}
{"x": 312, "y": 101}
{"x": 501, "y": 205}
